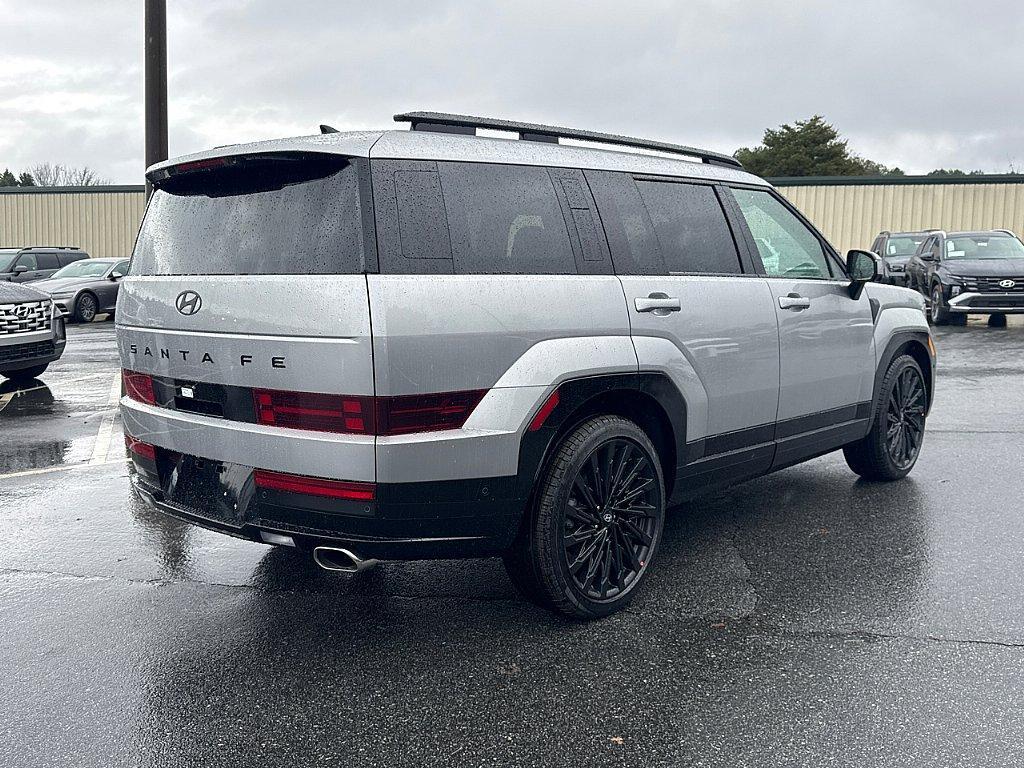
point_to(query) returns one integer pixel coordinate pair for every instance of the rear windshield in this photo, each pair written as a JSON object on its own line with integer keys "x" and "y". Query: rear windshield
{"x": 271, "y": 215}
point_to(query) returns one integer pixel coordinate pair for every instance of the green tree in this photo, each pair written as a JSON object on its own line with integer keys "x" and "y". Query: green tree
{"x": 25, "y": 180}
{"x": 810, "y": 147}
{"x": 7, "y": 179}
{"x": 945, "y": 172}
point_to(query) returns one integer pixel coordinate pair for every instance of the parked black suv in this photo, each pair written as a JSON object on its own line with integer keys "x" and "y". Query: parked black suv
{"x": 962, "y": 273}
{"x": 896, "y": 248}
{"x": 22, "y": 265}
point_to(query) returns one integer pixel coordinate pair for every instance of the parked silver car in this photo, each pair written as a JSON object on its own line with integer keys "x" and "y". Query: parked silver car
{"x": 427, "y": 343}
{"x": 32, "y": 333}
{"x": 86, "y": 288}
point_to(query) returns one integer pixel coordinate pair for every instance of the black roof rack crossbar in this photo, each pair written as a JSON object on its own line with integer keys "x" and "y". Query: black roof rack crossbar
{"x": 465, "y": 124}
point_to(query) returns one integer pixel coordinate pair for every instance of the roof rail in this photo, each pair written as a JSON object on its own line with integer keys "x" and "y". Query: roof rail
{"x": 51, "y": 248}
{"x": 465, "y": 124}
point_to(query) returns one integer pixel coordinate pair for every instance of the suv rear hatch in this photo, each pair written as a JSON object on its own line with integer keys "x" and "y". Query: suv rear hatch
{"x": 248, "y": 281}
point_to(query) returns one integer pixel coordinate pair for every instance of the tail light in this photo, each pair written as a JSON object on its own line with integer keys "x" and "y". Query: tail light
{"x": 321, "y": 413}
{"x": 405, "y": 414}
{"x": 138, "y": 386}
{"x": 139, "y": 448}
{"x": 365, "y": 415}
{"x": 313, "y": 486}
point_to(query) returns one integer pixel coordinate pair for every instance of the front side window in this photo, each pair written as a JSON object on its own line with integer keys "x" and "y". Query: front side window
{"x": 691, "y": 227}
{"x": 27, "y": 260}
{"x": 787, "y": 247}
{"x": 505, "y": 219}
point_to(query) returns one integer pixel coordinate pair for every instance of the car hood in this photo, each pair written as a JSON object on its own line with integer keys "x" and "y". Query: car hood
{"x": 14, "y": 293}
{"x": 60, "y": 284}
{"x": 985, "y": 267}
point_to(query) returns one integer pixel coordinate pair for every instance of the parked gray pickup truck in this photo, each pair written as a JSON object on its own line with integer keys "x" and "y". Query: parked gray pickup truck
{"x": 31, "y": 332}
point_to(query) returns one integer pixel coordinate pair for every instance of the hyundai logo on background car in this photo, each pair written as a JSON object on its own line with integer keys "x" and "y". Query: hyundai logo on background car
{"x": 188, "y": 302}
{"x": 1006, "y": 283}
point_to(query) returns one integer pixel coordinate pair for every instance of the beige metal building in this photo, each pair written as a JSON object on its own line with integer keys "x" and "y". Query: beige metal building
{"x": 849, "y": 210}
{"x": 102, "y": 220}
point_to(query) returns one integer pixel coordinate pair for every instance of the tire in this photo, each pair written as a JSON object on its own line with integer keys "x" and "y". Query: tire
{"x": 938, "y": 314}
{"x": 575, "y": 554}
{"x": 85, "y": 308}
{"x": 997, "y": 321}
{"x": 903, "y": 400}
{"x": 26, "y": 374}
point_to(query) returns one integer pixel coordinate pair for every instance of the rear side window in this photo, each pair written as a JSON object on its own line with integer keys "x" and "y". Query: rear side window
{"x": 691, "y": 227}
{"x": 47, "y": 261}
{"x": 634, "y": 246}
{"x": 282, "y": 214}
{"x": 505, "y": 219}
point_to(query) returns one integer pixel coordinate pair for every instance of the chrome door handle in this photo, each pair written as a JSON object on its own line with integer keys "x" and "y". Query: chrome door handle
{"x": 794, "y": 301}
{"x": 659, "y": 303}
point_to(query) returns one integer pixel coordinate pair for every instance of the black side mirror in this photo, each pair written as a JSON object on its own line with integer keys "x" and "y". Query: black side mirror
{"x": 927, "y": 256}
{"x": 115, "y": 276}
{"x": 862, "y": 267}
{"x": 20, "y": 269}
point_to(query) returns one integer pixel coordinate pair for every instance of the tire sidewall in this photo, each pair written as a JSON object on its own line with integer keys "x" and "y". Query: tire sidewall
{"x": 558, "y": 497}
{"x": 899, "y": 365}
{"x": 78, "y": 308}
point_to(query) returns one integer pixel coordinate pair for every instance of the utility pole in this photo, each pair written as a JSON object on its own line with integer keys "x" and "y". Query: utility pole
{"x": 156, "y": 84}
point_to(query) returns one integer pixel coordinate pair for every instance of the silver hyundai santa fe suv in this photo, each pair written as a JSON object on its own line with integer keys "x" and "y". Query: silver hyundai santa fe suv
{"x": 430, "y": 344}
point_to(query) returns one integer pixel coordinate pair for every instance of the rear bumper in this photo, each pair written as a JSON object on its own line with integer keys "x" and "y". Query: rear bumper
{"x": 987, "y": 303}
{"x": 405, "y": 521}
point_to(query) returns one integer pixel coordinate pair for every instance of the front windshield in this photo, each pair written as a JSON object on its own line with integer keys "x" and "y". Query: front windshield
{"x": 7, "y": 256}
{"x": 83, "y": 268}
{"x": 984, "y": 247}
{"x": 903, "y": 245}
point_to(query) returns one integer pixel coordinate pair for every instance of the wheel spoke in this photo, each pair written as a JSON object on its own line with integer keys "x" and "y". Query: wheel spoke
{"x": 628, "y": 526}
{"x": 588, "y": 495}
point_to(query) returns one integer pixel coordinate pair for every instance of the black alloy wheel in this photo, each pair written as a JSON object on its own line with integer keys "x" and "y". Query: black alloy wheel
{"x": 611, "y": 519}
{"x": 595, "y": 523}
{"x": 892, "y": 446}
{"x": 905, "y": 418}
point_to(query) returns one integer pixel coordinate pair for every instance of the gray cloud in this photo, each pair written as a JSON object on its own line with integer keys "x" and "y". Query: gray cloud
{"x": 916, "y": 84}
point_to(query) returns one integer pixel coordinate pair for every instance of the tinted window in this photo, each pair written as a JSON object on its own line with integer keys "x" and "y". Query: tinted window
{"x": 787, "y": 247}
{"x": 121, "y": 267}
{"x": 505, "y": 219}
{"x": 294, "y": 214}
{"x": 691, "y": 227}
{"x": 27, "y": 260}
{"x": 423, "y": 230}
{"x": 69, "y": 258}
{"x": 47, "y": 261}
{"x": 634, "y": 246}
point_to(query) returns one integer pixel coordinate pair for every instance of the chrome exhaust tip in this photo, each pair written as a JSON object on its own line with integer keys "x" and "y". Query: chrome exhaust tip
{"x": 338, "y": 559}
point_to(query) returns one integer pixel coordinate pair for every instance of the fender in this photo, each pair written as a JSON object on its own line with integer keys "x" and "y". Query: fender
{"x": 898, "y": 341}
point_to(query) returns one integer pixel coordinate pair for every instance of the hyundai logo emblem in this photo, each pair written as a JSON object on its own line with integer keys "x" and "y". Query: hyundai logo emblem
{"x": 1006, "y": 283}
{"x": 188, "y": 302}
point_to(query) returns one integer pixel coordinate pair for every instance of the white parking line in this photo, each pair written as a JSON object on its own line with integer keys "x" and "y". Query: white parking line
{"x": 60, "y": 468}
{"x": 102, "y": 447}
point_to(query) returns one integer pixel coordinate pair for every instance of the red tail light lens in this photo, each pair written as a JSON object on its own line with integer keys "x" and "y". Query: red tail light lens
{"x": 138, "y": 386}
{"x": 426, "y": 413}
{"x": 313, "y": 486}
{"x": 139, "y": 448}
{"x": 365, "y": 415}
{"x": 322, "y": 413}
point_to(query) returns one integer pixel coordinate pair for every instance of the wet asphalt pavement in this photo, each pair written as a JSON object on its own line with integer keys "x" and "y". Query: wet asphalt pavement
{"x": 805, "y": 618}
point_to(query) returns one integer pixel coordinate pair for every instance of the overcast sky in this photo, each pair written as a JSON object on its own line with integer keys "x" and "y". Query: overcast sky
{"x": 914, "y": 84}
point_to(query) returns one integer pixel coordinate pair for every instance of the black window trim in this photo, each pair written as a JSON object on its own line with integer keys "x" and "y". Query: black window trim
{"x": 832, "y": 259}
